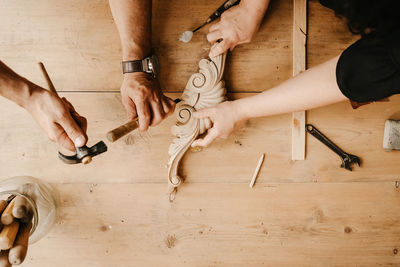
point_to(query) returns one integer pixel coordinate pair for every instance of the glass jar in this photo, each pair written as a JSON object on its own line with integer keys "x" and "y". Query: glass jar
{"x": 42, "y": 198}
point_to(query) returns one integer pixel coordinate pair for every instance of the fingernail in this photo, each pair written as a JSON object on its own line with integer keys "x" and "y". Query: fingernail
{"x": 80, "y": 141}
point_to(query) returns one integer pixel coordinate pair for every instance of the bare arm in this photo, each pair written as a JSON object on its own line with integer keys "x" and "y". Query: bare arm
{"x": 56, "y": 116}
{"x": 141, "y": 94}
{"x": 314, "y": 88}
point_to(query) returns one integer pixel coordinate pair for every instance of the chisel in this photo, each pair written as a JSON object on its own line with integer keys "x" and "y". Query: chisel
{"x": 187, "y": 35}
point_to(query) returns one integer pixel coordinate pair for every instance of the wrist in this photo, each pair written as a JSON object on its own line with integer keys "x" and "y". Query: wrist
{"x": 255, "y": 7}
{"x": 242, "y": 112}
{"x": 133, "y": 51}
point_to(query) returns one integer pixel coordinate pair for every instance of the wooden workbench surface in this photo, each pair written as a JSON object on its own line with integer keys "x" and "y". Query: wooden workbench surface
{"x": 115, "y": 211}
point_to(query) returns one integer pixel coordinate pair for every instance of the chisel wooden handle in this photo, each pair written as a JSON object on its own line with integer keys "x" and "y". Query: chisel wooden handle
{"x": 21, "y": 207}
{"x": 8, "y": 234}
{"x": 7, "y": 217}
{"x": 3, "y": 205}
{"x": 18, "y": 251}
{"x": 4, "y": 259}
{"x": 122, "y": 130}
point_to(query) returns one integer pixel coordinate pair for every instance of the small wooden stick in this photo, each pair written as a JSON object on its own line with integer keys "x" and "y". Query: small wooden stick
{"x": 4, "y": 259}
{"x": 7, "y": 217}
{"x": 47, "y": 78}
{"x": 8, "y": 234}
{"x": 18, "y": 251}
{"x": 260, "y": 161}
{"x": 21, "y": 207}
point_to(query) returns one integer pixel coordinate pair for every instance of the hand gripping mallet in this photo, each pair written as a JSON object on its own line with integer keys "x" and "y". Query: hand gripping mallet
{"x": 83, "y": 154}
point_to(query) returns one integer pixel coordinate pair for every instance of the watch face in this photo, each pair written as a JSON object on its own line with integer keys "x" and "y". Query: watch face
{"x": 154, "y": 64}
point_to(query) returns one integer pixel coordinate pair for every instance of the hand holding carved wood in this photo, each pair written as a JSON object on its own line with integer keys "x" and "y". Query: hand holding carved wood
{"x": 204, "y": 89}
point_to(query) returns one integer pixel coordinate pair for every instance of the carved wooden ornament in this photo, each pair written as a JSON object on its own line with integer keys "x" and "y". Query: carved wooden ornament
{"x": 204, "y": 89}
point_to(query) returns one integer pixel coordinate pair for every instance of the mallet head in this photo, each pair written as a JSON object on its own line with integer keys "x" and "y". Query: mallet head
{"x": 84, "y": 154}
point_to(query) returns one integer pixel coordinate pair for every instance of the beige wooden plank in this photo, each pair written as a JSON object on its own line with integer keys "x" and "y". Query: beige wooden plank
{"x": 328, "y": 35}
{"x": 143, "y": 158}
{"x": 354, "y": 224}
{"x": 78, "y": 42}
{"x": 299, "y": 65}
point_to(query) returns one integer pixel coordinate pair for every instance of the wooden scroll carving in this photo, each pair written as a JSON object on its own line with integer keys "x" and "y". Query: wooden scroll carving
{"x": 204, "y": 89}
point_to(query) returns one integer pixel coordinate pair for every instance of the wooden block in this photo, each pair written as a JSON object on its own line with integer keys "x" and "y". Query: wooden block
{"x": 299, "y": 65}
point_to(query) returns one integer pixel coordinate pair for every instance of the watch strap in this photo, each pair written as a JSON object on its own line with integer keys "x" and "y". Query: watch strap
{"x": 132, "y": 66}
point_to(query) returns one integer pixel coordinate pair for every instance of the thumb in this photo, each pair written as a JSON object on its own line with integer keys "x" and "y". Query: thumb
{"x": 219, "y": 48}
{"x": 74, "y": 132}
{"x": 202, "y": 113}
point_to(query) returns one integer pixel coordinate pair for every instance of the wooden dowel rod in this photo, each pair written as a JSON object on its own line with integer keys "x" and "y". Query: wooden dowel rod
{"x": 18, "y": 251}
{"x": 8, "y": 234}
{"x": 4, "y": 259}
{"x": 7, "y": 217}
{"x": 47, "y": 78}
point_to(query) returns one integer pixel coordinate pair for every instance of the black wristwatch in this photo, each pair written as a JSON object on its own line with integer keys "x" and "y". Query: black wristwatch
{"x": 148, "y": 65}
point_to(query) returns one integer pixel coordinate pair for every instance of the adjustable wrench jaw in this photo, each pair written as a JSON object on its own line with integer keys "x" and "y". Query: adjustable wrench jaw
{"x": 347, "y": 159}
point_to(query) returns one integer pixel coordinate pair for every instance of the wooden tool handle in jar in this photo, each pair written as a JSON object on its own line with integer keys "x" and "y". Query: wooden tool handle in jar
{"x": 18, "y": 251}
{"x": 4, "y": 259}
{"x": 7, "y": 216}
{"x": 8, "y": 234}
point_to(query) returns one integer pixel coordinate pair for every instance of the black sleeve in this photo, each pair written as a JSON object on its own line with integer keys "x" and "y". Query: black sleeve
{"x": 369, "y": 70}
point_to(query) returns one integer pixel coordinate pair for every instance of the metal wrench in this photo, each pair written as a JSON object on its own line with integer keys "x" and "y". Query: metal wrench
{"x": 347, "y": 159}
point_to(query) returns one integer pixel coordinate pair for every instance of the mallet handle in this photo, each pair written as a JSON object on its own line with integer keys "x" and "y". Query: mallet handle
{"x": 122, "y": 130}
{"x": 47, "y": 77}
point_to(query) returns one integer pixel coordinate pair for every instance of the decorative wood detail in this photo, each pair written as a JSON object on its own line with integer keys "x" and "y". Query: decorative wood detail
{"x": 299, "y": 65}
{"x": 204, "y": 89}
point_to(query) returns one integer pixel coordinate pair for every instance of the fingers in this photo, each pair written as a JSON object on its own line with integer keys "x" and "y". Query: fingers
{"x": 212, "y": 134}
{"x": 168, "y": 105}
{"x": 143, "y": 112}
{"x": 74, "y": 132}
{"x": 214, "y": 36}
{"x": 203, "y": 113}
{"x": 130, "y": 107}
{"x": 219, "y": 48}
{"x": 58, "y": 134}
{"x": 157, "y": 112}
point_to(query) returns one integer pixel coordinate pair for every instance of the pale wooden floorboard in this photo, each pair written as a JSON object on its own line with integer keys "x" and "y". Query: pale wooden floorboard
{"x": 337, "y": 224}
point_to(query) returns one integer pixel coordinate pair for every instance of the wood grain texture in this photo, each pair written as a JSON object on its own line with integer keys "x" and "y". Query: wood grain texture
{"x": 353, "y": 224}
{"x": 299, "y": 65}
{"x": 80, "y": 36}
{"x": 328, "y": 35}
{"x": 143, "y": 157}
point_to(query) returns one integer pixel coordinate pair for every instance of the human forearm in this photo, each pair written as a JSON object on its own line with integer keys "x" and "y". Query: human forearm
{"x": 258, "y": 7}
{"x": 133, "y": 21}
{"x": 13, "y": 86}
{"x": 314, "y": 88}
{"x": 55, "y": 115}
